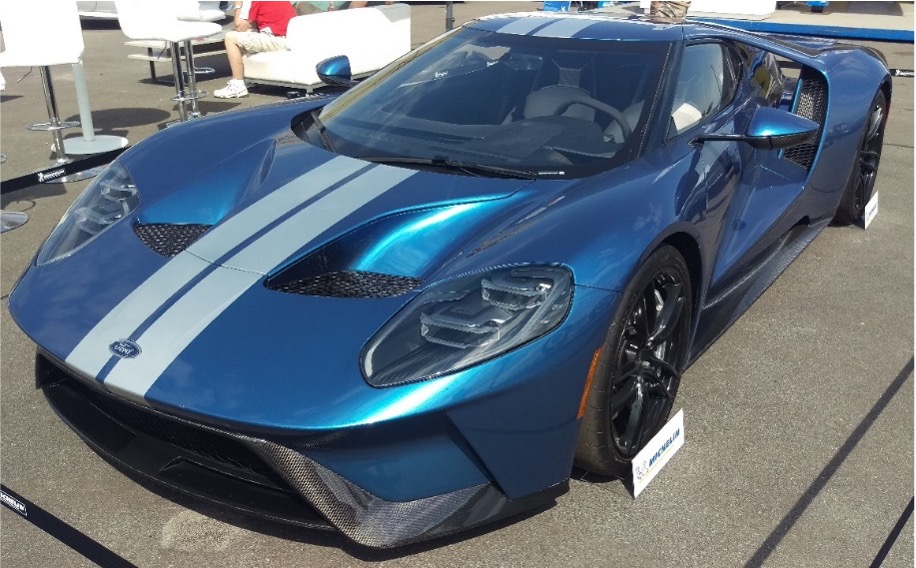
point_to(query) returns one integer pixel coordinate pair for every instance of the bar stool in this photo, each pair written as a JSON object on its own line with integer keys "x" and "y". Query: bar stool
{"x": 60, "y": 42}
{"x": 144, "y": 20}
{"x": 197, "y": 11}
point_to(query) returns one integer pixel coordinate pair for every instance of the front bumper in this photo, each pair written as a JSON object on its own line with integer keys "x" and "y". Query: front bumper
{"x": 270, "y": 478}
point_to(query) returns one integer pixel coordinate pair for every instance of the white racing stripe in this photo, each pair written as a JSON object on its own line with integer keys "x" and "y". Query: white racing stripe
{"x": 166, "y": 338}
{"x": 91, "y": 354}
{"x": 565, "y": 28}
{"x": 288, "y": 237}
{"x": 185, "y": 320}
{"x": 522, "y": 26}
{"x": 261, "y": 213}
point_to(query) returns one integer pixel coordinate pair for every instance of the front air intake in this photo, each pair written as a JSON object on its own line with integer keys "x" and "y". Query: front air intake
{"x": 168, "y": 239}
{"x": 346, "y": 284}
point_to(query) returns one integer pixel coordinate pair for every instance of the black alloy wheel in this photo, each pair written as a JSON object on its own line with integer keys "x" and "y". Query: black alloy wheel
{"x": 639, "y": 370}
{"x": 647, "y": 376}
{"x": 861, "y": 184}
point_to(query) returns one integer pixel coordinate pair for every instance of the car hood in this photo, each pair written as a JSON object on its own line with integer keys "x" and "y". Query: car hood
{"x": 290, "y": 196}
{"x": 200, "y": 333}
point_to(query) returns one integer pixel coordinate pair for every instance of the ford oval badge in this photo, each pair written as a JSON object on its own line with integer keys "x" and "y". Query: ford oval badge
{"x": 124, "y": 348}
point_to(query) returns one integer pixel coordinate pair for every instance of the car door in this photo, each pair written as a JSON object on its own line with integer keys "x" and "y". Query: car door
{"x": 746, "y": 217}
{"x": 756, "y": 217}
{"x": 707, "y": 97}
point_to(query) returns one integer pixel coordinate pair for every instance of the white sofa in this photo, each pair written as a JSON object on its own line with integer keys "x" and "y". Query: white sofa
{"x": 370, "y": 37}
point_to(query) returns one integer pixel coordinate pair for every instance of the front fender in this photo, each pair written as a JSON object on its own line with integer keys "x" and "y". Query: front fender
{"x": 601, "y": 228}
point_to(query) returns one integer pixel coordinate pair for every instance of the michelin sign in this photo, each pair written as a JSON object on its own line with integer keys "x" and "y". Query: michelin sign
{"x": 660, "y": 449}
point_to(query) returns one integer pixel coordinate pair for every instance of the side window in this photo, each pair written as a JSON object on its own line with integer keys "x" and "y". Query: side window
{"x": 755, "y": 63}
{"x": 767, "y": 77}
{"x": 705, "y": 85}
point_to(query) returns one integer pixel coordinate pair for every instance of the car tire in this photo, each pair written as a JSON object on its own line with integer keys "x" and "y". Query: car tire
{"x": 637, "y": 373}
{"x": 861, "y": 185}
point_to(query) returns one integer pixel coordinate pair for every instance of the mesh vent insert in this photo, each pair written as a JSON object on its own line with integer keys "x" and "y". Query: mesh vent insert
{"x": 347, "y": 284}
{"x": 168, "y": 239}
{"x": 812, "y": 104}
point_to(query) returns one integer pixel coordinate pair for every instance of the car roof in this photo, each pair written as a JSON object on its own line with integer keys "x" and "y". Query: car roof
{"x": 589, "y": 25}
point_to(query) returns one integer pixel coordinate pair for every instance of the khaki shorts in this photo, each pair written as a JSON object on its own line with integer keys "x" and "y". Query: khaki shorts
{"x": 256, "y": 42}
{"x": 672, "y": 9}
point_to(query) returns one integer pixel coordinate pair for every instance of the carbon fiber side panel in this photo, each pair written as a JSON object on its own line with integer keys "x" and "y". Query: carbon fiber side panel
{"x": 720, "y": 312}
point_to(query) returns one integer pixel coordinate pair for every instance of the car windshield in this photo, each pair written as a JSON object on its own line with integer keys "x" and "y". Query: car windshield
{"x": 489, "y": 103}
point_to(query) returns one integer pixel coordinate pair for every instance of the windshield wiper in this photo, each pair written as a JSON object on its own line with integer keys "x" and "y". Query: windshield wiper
{"x": 323, "y": 131}
{"x": 478, "y": 170}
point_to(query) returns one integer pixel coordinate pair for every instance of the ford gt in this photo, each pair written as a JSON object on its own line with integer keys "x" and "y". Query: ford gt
{"x": 409, "y": 307}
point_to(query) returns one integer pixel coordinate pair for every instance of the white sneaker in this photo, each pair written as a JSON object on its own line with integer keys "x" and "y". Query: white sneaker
{"x": 233, "y": 90}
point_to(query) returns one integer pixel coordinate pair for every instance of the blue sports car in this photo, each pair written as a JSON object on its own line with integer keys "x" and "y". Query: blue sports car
{"x": 410, "y": 308}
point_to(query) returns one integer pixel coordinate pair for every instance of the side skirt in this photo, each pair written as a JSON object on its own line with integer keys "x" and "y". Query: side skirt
{"x": 719, "y": 312}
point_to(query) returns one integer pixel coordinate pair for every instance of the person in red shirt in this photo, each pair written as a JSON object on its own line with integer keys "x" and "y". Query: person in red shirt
{"x": 259, "y": 26}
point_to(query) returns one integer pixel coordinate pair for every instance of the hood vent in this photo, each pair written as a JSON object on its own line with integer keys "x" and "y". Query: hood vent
{"x": 346, "y": 284}
{"x": 167, "y": 239}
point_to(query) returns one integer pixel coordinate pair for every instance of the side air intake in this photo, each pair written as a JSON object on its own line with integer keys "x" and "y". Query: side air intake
{"x": 811, "y": 104}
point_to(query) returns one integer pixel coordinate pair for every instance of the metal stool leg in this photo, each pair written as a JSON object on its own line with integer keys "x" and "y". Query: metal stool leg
{"x": 193, "y": 92}
{"x": 185, "y": 85}
{"x": 180, "y": 91}
{"x": 55, "y": 125}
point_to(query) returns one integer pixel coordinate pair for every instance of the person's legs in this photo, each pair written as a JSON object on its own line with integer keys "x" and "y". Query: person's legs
{"x": 234, "y": 53}
{"x": 236, "y": 87}
{"x": 238, "y": 44}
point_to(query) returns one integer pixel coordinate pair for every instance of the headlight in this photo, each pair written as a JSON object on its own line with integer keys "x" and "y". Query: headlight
{"x": 108, "y": 199}
{"x": 456, "y": 324}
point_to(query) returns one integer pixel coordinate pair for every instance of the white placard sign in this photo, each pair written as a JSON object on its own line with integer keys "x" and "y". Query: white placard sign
{"x": 871, "y": 209}
{"x": 661, "y": 448}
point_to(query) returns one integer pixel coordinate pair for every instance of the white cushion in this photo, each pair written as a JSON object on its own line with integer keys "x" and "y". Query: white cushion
{"x": 58, "y": 40}
{"x": 631, "y": 115}
{"x": 685, "y": 115}
{"x": 142, "y": 20}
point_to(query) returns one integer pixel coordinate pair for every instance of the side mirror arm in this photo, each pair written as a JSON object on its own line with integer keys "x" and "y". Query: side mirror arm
{"x": 759, "y": 142}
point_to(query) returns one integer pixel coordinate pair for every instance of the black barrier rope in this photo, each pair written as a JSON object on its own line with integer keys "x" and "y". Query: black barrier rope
{"x": 59, "y": 171}
{"x": 892, "y": 538}
{"x": 60, "y": 530}
{"x": 826, "y": 474}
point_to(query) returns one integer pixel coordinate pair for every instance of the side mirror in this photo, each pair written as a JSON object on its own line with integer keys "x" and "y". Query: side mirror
{"x": 335, "y": 71}
{"x": 770, "y": 129}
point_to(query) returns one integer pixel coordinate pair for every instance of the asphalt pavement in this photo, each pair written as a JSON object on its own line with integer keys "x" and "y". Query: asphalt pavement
{"x": 799, "y": 420}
